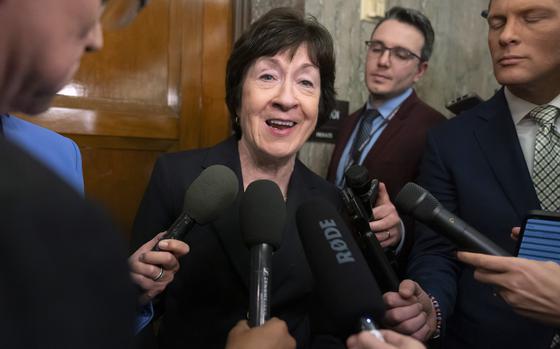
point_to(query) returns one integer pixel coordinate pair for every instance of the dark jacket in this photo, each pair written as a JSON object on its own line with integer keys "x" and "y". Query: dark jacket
{"x": 210, "y": 291}
{"x": 475, "y": 167}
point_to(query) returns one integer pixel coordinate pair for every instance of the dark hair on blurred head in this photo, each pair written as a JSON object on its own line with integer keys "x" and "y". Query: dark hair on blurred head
{"x": 416, "y": 19}
{"x": 278, "y": 30}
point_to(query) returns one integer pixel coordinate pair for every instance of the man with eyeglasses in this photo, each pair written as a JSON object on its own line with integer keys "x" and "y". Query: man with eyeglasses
{"x": 387, "y": 134}
{"x": 64, "y": 278}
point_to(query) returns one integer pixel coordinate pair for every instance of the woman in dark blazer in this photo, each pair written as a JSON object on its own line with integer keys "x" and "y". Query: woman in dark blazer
{"x": 280, "y": 82}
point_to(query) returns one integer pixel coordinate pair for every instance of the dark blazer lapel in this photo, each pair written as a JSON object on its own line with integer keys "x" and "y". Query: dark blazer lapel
{"x": 291, "y": 255}
{"x": 227, "y": 227}
{"x": 393, "y": 127}
{"x": 499, "y": 143}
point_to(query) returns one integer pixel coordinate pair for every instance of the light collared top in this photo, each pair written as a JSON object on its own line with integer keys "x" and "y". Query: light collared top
{"x": 387, "y": 110}
{"x": 526, "y": 127}
{"x": 60, "y": 154}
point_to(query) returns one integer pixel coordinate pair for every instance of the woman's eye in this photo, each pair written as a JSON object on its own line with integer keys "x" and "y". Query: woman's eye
{"x": 307, "y": 83}
{"x": 266, "y": 77}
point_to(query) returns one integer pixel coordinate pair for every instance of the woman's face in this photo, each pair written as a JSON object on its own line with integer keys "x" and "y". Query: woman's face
{"x": 279, "y": 104}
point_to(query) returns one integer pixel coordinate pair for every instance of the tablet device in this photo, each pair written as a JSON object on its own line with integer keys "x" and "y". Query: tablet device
{"x": 540, "y": 237}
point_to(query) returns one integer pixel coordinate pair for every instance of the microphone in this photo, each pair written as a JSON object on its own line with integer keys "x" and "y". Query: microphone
{"x": 210, "y": 194}
{"x": 343, "y": 281}
{"x": 358, "y": 195}
{"x": 418, "y": 202}
{"x": 357, "y": 179}
{"x": 263, "y": 218}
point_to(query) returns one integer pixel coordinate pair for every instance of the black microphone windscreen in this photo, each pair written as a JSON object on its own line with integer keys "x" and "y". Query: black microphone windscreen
{"x": 417, "y": 201}
{"x": 414, "y": 198}
{"x": 343, "y": 281}
{"x": 262, "y": 214}
{"x": 213, "y": 191}
{"x": 357, "y": 177}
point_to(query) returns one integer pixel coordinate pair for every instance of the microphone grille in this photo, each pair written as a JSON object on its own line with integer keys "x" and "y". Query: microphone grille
{"x": 262, "y": 214}
{"x": 415, "y": 200}
{"x": 356, "y": 176}
{"x": 212, "y": 192}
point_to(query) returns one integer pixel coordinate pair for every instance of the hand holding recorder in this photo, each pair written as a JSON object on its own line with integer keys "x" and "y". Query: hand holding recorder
{"x": 530, "y": 287}
{"x": 530, "y": 283}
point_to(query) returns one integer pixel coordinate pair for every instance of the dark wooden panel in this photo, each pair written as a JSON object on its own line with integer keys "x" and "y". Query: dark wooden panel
{"x": 157, "y": 86}
{"x": 119, "y": 177}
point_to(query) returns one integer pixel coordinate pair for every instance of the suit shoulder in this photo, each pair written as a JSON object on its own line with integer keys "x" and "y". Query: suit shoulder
{"x": 424, "y": 111}
{"x": 465, "y": 121}
{"x": 182, "y": 157}
{"x": 221, "y": 151}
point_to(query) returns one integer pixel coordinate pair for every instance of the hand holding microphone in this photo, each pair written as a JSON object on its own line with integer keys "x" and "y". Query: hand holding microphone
{"x": 410, "y": 311}
{"x": 373, "y": 226}
{"x": 369, "y": 200}
{"x": 153, "y": 271}
{"x": 530, "y": 287}
{"x": 273, "y": 334}
{"x": 418, "y": 202}
{"x": 154, "y": 264}
{"x": 210, "y": 194}
{"x": 387, "y": 223}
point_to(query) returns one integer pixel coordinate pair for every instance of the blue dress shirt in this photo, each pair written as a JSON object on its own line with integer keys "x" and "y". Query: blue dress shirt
{"x": 58, "y": 153}
{"x": 62, "y": 156}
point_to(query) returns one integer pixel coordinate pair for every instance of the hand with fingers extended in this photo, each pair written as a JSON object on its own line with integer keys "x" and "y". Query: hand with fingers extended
{"x": 386, "y": 222}
{"x": 273, "y": 334}
{"x": 530, "y": 287}
{"x": 393, "y": 340}
{"x": 410, "y": 311}
{"x": 154, "y": 270}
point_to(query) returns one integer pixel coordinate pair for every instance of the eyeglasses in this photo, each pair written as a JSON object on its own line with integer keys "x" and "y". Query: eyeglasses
{"x": 120, "y": 13}
{"x": 377, "y": 48}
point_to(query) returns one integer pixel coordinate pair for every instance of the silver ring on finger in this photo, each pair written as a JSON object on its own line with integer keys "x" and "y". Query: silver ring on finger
{"x": 159, "y": 276}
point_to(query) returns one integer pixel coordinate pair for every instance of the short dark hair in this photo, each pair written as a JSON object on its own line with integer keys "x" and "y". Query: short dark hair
{"x": 278, "y": 30}
{"x": 416, "y": 19}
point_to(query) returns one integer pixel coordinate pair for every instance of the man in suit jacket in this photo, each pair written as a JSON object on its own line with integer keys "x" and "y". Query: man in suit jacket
{"x": 479, "y": 165}
{"x": 388, "y": 133}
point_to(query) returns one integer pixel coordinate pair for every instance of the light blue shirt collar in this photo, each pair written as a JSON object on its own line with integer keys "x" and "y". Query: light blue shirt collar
{"x": 387, "y": 108}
